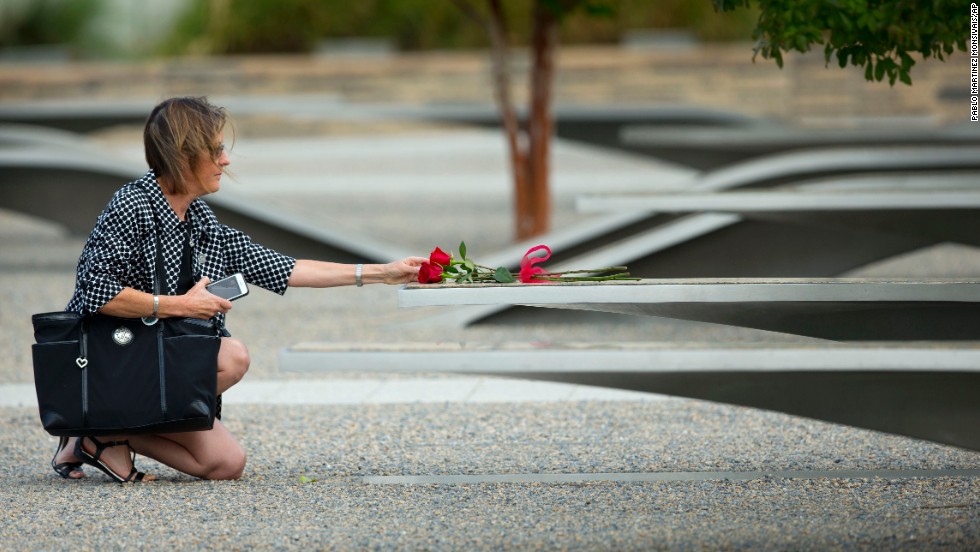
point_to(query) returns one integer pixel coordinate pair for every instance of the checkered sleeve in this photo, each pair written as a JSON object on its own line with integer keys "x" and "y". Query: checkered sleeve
{"x": 259, "y": 265}
{"x": 112, "y": 258}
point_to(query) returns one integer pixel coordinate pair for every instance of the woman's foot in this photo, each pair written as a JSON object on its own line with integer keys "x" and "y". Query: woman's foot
{"x": 64, "y": 462}
{"x": 114, "y": 458}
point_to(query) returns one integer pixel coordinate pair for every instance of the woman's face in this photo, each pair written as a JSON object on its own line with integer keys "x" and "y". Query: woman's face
{"x": 207, "y": 171}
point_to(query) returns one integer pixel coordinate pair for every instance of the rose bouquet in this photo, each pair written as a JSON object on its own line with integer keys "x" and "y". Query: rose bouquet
{"x": 445, "y": 267}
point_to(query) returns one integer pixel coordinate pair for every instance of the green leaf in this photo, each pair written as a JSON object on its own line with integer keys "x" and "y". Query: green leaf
{"x": 462, "y": 250}
{"x": 907, "y": 62}
{"x": 778, "y": 56}
{"x": 504, "y": 276}
{"x": 801, "y": 43}
{"x": 879, "y": 70}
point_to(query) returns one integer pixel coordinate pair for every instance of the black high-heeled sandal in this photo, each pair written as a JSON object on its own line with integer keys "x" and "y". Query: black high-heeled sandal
{"x": 64, "y": 469}
{"x": 93, "y": 460}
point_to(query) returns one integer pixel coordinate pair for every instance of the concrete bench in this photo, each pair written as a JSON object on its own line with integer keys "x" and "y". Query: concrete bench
{"x": 934, "y": 212}
{"x": 707, "y": 148}
{"x": 922, "y": 390}
{"x": 800, "y": 166}
{"x": 837, "y": 309}
{"x": 600, "y": 126}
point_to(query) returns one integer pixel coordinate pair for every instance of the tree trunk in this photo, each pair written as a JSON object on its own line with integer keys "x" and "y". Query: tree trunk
{"x": 509, "y": 120}
{"x": 530, "y": 147}
{"x": 535, "y": 218}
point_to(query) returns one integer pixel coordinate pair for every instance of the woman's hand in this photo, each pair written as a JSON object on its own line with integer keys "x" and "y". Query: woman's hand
{"x": 404, "y": 271}
{"x": 201, "y": 303}
{"x": 198, "y": 302}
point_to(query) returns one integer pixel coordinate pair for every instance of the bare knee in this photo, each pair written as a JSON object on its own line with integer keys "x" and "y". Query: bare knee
{"x": 234, "y": 359}
{"x": 230, "y": 466}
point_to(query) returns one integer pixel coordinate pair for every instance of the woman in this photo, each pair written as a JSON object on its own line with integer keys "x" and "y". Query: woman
{"x": 184, "y": 146}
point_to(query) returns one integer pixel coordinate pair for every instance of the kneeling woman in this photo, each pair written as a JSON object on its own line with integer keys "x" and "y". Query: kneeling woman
{"x": 183, "y": 139}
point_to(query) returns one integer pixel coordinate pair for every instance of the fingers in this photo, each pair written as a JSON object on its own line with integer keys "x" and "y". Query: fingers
{"x": 205, "y": 303}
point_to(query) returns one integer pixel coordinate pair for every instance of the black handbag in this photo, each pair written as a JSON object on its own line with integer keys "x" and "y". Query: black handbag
{"x": 103, "y": 375}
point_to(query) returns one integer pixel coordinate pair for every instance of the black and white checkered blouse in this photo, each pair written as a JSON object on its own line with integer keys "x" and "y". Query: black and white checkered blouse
{"x": 121, "y": 250}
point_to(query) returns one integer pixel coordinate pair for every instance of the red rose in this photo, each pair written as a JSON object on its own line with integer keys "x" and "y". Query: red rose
{"x": 430, "y": 273}
{"x": 439, "y": 257}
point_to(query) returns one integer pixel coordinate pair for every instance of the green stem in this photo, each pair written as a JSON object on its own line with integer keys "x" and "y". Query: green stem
{"x": 620, "y": 276}
{"x": 592, "y": 270}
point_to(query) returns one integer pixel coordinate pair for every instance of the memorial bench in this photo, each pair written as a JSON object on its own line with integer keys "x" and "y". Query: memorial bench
{"x": 899, "y": 216}
{"x": 838, "y": 309}
{"x": 707, "y": 148}
{"x": 909, "y": 365}
{"x": 921, "y": 390}
{"x": 937, "y": 212}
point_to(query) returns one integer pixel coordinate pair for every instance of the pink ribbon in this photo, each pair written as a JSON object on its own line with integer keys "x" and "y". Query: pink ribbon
{"x": 529, "y": 271}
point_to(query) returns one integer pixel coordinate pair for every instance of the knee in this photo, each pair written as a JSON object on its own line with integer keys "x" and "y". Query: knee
{"x": 229, "y": 467}
{"x": 236, "y": 358}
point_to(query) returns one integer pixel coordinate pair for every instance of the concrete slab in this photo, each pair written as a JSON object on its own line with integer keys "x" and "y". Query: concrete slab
{"x": 933, "y": 213}
{"x": 383, "y": 390}
{"x": 788, "y": 200}
{"x": 707, "y": 148}
{"x": 922, "y": 390}
{"x": 839, "y": 309}
{"x": 795, "y": 166}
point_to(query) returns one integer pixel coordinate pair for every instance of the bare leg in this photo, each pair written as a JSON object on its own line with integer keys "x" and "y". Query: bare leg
{"x": 233, "y": 362}
{"x": 212, "y": 454}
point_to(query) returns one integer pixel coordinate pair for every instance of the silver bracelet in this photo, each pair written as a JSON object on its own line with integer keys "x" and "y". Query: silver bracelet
{"x": 357, "y": 275}
{"x": 156, "y": 306}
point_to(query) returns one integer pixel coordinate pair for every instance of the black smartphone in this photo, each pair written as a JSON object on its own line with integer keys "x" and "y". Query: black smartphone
{"x": 230, "y": 288}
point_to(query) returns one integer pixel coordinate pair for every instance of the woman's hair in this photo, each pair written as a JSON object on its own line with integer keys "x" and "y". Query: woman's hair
{"x": 178, "y": 132}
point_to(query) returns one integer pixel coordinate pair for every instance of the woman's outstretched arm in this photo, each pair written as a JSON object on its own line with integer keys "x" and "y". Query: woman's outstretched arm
{"x": 320, "y": 274}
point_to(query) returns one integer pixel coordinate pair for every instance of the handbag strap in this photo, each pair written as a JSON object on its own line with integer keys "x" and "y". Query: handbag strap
{"x": 158, "y": 268}
{"x": 159, "y": 275}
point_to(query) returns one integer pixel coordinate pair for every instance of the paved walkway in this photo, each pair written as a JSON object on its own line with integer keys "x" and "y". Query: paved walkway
{"x": 390, "y": 390}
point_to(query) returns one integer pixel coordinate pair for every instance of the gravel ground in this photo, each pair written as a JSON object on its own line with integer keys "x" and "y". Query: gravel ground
{"x": 302, "y": 486}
